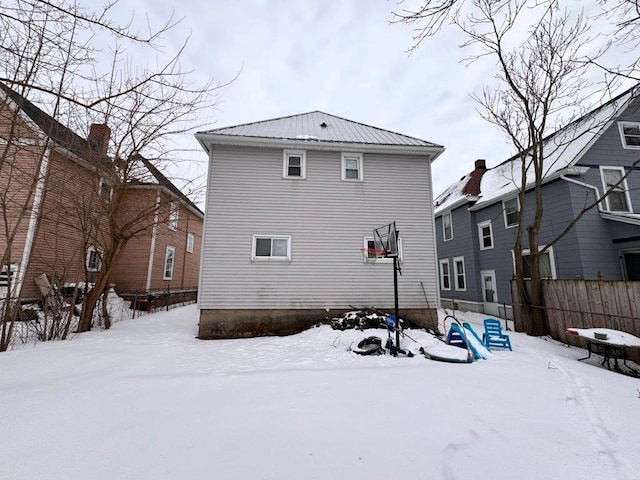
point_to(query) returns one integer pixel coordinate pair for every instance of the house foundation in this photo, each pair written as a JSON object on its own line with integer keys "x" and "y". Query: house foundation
{"x": 247, "y": 323}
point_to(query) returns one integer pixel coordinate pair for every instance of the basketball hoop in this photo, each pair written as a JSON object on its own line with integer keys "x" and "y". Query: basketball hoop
{"x": 370, "y": 255}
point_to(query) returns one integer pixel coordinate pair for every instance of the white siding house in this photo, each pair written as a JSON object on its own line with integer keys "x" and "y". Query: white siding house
{"x": 290, "y": 203}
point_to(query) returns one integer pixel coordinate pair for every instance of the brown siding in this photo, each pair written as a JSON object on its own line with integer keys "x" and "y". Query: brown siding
{"x": 131, "y": 271}
{"x": 71, "y": 214}
{"x": 186, "y": 265}
{"x": 20, "y": 159}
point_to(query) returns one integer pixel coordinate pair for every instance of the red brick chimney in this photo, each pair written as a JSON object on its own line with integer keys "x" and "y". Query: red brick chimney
{"x": 473, "y": 185}
{"x": 99, "y": 136}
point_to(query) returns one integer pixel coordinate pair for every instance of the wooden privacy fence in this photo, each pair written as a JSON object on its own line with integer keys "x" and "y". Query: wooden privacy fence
{"x": 586, "y": 304}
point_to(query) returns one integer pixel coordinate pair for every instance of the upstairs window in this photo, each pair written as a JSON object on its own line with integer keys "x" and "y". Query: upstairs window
{"x": 511, "y": 210}
{"x": 630, "y": 134}
{"x": 294, "y": 164}
{"x": 618, "y": 199}
{"x": 191, "y": 239}
{"x": 352, "y": 167}
{"x": 268, "y": 247}
{"x": 104, "y": 190}
{"x": 174, "y": 209}
{"x": 485, "y": 235}
{"x": 94, "y": 259}
{"x": 447, "y": 226}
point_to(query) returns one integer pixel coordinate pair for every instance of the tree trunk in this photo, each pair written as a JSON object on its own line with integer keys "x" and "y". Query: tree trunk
{"x": 90, "y": 302}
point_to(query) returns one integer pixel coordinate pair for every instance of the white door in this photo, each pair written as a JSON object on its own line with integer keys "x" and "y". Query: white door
{"x": 489, "y": 293}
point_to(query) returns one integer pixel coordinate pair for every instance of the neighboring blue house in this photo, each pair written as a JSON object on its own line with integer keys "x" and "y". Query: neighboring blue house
{"x": 476, "y": 217}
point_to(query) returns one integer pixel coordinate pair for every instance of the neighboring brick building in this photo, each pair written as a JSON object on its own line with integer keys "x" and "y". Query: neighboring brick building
{"x": 55, "y": 188}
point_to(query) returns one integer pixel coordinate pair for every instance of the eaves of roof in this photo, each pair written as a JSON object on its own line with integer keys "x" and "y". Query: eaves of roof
{"x": 62, "y": 137}
{"x": 479, "y": 205}
{"x": 207, "y": 139}
{"x": 167, "y": 185}
{"x": 458, "y": 203}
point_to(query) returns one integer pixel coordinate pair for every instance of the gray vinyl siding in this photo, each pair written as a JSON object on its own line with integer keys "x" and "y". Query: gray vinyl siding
{"x": 327, "y": 219}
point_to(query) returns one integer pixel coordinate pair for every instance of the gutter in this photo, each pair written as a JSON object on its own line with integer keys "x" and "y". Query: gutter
{"x": 586, "y": 185}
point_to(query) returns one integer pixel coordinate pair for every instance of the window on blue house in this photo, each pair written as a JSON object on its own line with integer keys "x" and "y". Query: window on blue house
{"x": 511, "y": 210}
{"x": 618, "y": 199}
{"x": 630, "y": 134}
{"x": 458, "y": 272}
{"x": 447, "y": 226}
{"x": 485, "y": 234}
{"x": 445, "y": 275}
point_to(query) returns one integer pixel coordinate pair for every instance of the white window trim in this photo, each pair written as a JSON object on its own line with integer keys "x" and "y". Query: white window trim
{"x": 622, "y": 186}
{"x": 365, "y": 244}
{"x": 173, "y": 262}
{"x": 99, "y": 251}
{"x": 191, "y": 241}
{"x": 527, "y": 251}
{"x": 504, "y": 212}
{"x": 174, "y": 215}
{"x": 455, "y": 274}
{"x": 621, "y": 126}
{"x": 303, "y": 164}
{"x": 481, "y": 225}
{"x": 445, "y": 262}
{"x": 103, "y": 181}
{"x": 255, "y": 258}
{"x": 343, "y": 158}
{"x": 444, "y": 230}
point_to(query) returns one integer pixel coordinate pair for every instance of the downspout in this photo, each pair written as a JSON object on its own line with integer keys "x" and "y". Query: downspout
{"x": 585, "y": 185}
{"x": 154, "y": 233}
{"x": 33, "y": 223}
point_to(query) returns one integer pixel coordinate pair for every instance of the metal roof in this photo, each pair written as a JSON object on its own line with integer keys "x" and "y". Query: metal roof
{"x": 322, "y": 127}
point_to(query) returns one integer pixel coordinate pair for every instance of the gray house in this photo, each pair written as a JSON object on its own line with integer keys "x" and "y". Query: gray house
{"x": 290, "y": 204}
{"x": 476, "y": 217}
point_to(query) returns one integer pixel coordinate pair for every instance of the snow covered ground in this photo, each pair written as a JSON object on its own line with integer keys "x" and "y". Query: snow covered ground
{"x": 147, "y": 400}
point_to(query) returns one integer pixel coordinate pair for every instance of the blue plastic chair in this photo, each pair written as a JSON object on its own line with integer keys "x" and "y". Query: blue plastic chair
{"x": 493, "y": 336}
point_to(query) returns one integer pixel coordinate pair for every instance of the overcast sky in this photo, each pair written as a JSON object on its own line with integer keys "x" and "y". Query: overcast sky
{"x": 338, "y": 56}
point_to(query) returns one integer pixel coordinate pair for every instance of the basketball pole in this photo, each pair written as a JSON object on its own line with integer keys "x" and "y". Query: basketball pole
{"x": 395, "y": 294}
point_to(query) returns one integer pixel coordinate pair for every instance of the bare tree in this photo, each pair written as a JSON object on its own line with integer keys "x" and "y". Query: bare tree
{"x": 48, "y": 55}
{"x": 543, "y": 57}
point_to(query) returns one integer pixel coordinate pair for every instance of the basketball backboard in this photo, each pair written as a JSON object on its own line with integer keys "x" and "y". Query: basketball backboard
{"x": 386, "y": 238}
